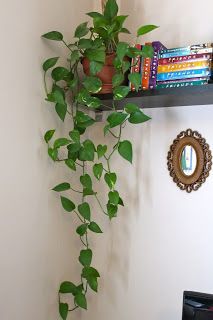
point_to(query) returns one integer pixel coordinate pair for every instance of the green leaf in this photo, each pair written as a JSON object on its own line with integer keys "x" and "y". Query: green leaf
{"x": 95, "y": 55}
{"x": 112, "y": 210}
{"x": 80, "y": 300}
{"x": 116, "y": 118}
{"x": 62, "y": 187}
{"x": 94, "y": 14}
{"x": 120, "y": 202}
{"x": 145, "y": 29}
{"x": 58, "y": 95}
{"x": 59, "y": 73}
{"x": 106, "y": 129}
{"x": 67, "y": 204}
{"x": 61, "y": 142}
{"x": 74, "y": 57}
{"x": 117, "y": 79}
{"x": 131, "y": 107}
{"x": 85, "y": 43}
{"x": 121, "y": 50}
{"x": 111, "y": 9}
{"x": 147, "y": 51}
{"x": 63, "y": 310}
{"x": 48, "y": 135}
{"x": 68, "y": 287}
{"x": 70, "y": 164}
{"x": 120, "y": 92}
{"x": 87, "y": 151}
{"x": 95, "y": 67}
{"x": 81, "y": 30}
{"x": 93, "y": 102}
{"x": 125, "y": 66}
{"x": 125, "y": 150}
{"x": 101, "y": 150}
{"x": 138, "y": 117}
{"x": 85, "y": 257}
{"x": 75, "y": 135}
{"x": 92, "y": 84}
{"x": 125, "y": 30}
{"x": 82, "y": 229}
{"x": 110, "y": 179}
{"x": 53, "y": 35}
{"x": 74, "y": 147}
{"x": 135, "y": 79}
{"x": 94, "y": 227}
{"x": 49, "y": 63}
{"x": 98, "y": 170}
{"x": 61, "y": 110}
{"x": 53, "y": 153}
{"x": 84, "y": 210}
{"x": 86, "y": 181}
{"x": 88, "y": 272}
{"x": 114, "y": 197}
{"x": 93, "y": 283}
{"x": 120, "y": 20}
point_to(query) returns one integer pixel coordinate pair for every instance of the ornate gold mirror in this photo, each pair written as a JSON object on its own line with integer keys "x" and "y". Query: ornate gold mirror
{"x": 189, "y": 160}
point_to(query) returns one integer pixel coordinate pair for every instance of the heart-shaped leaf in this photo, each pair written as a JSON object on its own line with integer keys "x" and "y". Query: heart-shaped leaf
{"x": 84, "y": 210}
{"x": 67, "y": 204}
{"x": 125, "y": 150}
{"x": 62, "y": 187}
{"x": 85, "y": 257}
{"x": 145, "y": 29}
{"x": 53, "y": 35}
{"x": 49, "y": 63}
{"x": 94, "y": 227}
{"x": 48, "y": 135}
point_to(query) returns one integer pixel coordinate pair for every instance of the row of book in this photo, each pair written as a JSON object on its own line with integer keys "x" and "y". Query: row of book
{"x": 176, "y": 67}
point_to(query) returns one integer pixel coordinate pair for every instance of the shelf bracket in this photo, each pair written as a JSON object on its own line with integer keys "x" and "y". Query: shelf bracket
{"x": 98, "y": 116}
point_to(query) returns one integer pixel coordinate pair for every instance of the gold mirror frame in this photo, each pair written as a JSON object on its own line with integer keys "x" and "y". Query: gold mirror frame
{"x": 204, "y": 160}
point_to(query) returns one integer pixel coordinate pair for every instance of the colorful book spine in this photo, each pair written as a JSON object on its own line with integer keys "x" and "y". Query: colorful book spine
{"x": 157, "y": 46}
{"x": 184, "y": 66}
{"x": 182, "y": 84}
{"x": 189, "y": 57}
{"x": 185, "y": 52}
{"x": 179, "y": 81}
{"x": 135, "y": 66}
{"x": 146, "y": 71}
{"x": 205, "y": 72}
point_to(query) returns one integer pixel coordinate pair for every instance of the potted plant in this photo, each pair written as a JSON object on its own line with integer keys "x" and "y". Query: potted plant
{"x": 68, "y": 93}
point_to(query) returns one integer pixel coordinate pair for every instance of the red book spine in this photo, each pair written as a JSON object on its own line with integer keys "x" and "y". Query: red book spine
{"x": 201, "y": 56}
{"x": 146, "y": 70}
{"x": 136, "y": 63}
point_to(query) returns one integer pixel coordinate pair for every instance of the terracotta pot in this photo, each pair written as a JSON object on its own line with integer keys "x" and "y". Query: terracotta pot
{"x": 106, "y": 73}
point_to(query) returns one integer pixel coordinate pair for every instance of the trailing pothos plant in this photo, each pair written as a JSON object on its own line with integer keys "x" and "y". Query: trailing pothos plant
{"x": 69, "y": 92}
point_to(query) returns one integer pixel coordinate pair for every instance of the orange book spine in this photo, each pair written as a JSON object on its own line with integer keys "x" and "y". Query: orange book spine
{"x": 146, "y": 71}
{"x": 184, "y": 66}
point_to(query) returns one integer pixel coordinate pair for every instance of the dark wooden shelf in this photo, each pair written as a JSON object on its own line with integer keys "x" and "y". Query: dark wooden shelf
{"x": 163, "y": 98}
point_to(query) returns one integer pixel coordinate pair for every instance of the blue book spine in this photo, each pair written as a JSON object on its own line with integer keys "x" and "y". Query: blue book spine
{"x": 184, "y": 52}
{"x": 184, "y": 74}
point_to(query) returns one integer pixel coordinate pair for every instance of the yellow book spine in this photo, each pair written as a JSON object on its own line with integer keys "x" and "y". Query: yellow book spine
{"x": 184, "y": 66}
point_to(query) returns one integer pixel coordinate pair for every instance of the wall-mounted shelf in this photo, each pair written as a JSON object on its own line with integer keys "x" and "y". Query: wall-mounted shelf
{"x": 161, "y": 98}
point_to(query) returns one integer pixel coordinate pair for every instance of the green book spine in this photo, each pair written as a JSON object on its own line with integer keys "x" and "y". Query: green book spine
{"x": 182, "y": 84}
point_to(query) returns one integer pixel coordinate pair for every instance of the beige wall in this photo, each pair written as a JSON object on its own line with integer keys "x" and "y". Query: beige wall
{"x": 36, "y": 244}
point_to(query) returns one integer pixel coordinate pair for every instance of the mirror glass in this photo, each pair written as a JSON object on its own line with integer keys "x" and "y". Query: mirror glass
{"x": 188, "y": 160}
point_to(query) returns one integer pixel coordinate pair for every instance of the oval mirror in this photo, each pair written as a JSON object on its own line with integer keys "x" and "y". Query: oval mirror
{"x": 189, "y": 160}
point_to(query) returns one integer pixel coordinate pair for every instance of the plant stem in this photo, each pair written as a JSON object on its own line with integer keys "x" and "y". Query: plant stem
{"x": 78, "y": 216}
{"x": 99, "y": 202}
{"x": 45, "y": 84}
{"x": 66, "y": 45}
